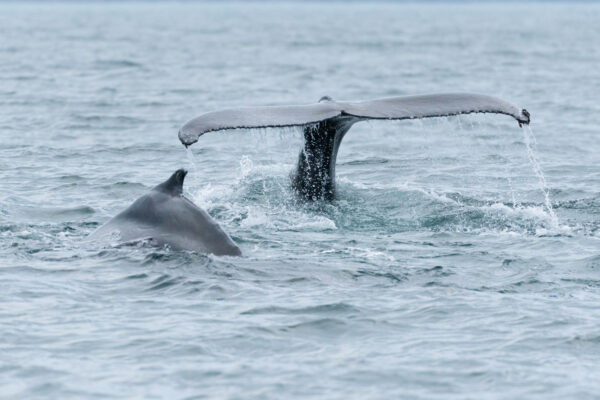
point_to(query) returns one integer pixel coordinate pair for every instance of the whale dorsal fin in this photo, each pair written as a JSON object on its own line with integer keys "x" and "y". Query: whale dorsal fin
{"x": 174, "y": 185}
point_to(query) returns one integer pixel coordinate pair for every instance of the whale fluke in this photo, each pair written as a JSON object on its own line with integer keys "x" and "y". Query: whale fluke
{"x": 325, "y": 124}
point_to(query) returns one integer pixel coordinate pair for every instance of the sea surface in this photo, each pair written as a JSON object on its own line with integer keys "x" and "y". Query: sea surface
{"x": 461, "y": 258}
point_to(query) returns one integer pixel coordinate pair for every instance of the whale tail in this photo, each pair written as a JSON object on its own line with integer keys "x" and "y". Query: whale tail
{"x": 326, "y": 122}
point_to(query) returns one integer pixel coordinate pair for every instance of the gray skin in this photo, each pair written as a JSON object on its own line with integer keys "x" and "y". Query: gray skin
{"x": 165, "y": 217}
{"x": 326, "y": 123}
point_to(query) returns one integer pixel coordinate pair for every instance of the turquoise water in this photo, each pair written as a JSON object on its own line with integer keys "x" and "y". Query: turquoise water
{"x": 460, "y": 260}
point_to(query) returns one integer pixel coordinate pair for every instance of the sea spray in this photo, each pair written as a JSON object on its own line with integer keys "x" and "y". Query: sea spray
{"x": 246, "y": 166}
{"x": 200, "y": 191}
{"x": 531, "y": 145}
{"x": 193, "y": 166}
{"x": 515, "y": 202}
{"x": 190, "y": 157}
{"x": 507, "y": 172}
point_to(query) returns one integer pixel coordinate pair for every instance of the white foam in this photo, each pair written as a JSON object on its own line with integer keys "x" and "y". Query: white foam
{"x": 370, "y": 253}
{"x": 537, "y": 214}
{"x": 318, "y": 222}
{"x": 246, "y": 166}
{"x": 400, "y": 186}
{"x": 207, "y": 195}
{"x": 255, "y": 217}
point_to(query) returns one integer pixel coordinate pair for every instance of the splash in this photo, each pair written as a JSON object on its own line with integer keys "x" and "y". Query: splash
{"x": 191, "y": 159}
{"x": 246, "y": 166}
{"x": 531, "y": 144}
{"x": 193, "y": 180}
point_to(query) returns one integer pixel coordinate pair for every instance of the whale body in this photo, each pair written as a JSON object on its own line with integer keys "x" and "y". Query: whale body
{"x": 165, "y": 217}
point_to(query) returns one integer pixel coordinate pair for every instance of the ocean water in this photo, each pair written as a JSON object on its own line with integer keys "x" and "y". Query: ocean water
{"x": 461, "y": 258}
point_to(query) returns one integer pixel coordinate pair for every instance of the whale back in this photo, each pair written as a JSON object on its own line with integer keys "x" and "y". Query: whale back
{"x": 165, "y": 217}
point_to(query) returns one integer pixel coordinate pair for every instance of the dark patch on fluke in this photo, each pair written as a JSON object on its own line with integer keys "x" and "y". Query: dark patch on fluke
{"x": 525, "y": 118}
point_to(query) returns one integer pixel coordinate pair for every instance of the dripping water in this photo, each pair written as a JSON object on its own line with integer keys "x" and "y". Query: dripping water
{"x": 531, "y": 145}
{"x": 193, "y": 166}
{"x": 191, "y": 159}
